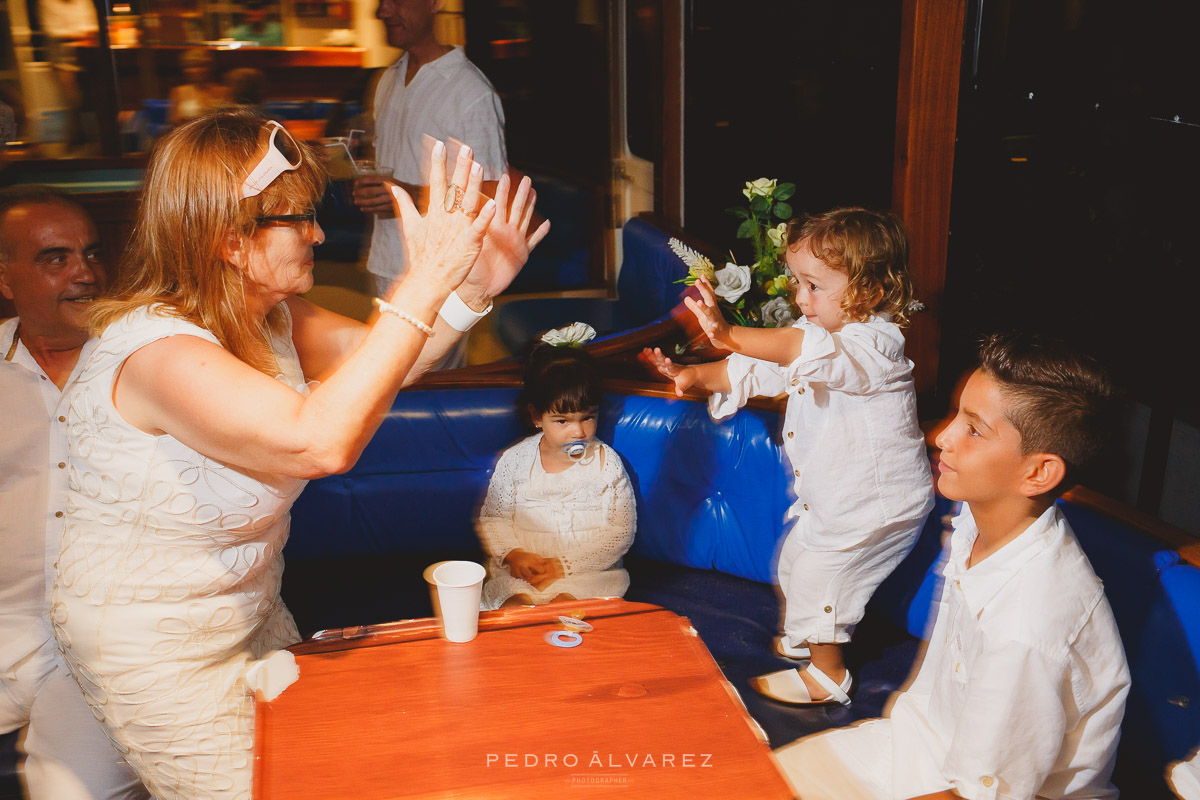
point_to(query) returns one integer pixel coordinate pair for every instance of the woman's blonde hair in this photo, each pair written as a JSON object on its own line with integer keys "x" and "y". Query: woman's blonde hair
{"x": 191, "y": 212}
{"x": 871, "y": 247}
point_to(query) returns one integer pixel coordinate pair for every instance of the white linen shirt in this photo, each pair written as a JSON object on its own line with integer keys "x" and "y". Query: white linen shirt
{"x": 850, "y": 431}
{"x": 33, "y": 486}
{"x": 448, "y": 98}
{"x": 1022, "y": 689}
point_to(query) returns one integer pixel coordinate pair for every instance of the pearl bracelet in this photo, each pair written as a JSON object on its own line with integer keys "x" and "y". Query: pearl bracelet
{"x": 388, "y": 308}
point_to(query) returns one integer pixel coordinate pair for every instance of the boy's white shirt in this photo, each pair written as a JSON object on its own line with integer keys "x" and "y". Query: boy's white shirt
{"x": 1022, "y": 689}
{"x": 849, "y": 393}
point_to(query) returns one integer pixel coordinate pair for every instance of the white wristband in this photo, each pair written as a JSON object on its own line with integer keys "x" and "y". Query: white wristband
{"x": 459, "y": 315}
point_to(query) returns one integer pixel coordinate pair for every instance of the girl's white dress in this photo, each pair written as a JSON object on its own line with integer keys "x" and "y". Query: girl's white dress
{"x": 585, "y": 516}
{"x": 168, "y": 580}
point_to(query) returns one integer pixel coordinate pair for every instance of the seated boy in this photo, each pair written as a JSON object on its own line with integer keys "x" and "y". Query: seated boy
{"x": 1022, "y": 687}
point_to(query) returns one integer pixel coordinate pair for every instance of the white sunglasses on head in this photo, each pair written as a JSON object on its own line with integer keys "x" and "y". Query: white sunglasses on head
{"x": 283, "y": 155}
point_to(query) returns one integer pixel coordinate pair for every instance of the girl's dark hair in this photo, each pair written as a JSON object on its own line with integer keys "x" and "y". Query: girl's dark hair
{"x": 560, "y": 379}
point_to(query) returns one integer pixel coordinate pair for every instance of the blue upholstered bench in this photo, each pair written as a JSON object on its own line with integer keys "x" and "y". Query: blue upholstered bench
{"x": 711, "y": 499}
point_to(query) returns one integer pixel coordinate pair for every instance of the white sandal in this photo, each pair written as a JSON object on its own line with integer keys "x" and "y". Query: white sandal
{"x": 787, "y": 686}
{"x": 787, "y": 651}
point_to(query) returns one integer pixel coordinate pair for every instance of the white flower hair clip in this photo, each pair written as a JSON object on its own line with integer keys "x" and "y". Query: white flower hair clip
{"x": 577, "y": 334}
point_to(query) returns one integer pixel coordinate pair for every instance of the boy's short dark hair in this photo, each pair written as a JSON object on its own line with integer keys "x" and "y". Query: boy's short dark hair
{"x": 563, "y": 380}
{"x": 1062, "y": 401}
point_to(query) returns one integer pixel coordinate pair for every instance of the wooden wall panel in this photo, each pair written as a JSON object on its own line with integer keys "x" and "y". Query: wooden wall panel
{"x": 926, "y": 113}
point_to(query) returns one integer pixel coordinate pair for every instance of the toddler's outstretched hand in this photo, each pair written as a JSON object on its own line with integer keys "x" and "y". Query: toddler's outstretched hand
{"x": 684, "y": 377}
{"x": 709, "y": 315}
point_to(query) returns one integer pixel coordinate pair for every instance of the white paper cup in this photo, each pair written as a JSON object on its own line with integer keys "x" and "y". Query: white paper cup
{"x": 433, "y": 592}
{"x": 459, "y": 585}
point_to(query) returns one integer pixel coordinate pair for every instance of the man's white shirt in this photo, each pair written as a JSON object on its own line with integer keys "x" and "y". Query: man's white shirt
{"x": 33, "y": 445}
{"x": 448, "y": 98}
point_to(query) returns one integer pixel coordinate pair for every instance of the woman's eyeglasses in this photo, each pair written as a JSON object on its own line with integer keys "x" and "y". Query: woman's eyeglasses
{"x": 307, "y": 218}
{"x": 283, "y": 155}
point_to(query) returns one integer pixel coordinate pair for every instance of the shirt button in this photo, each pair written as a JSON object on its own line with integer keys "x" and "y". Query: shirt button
{"x": 58, "y": 514}
{"x": 800, "y": 390}
{"x": 791, "y": 434}
{"x": 62, "y": 465}
{"x": 796, "y": 472}
{"x": 806, "y": 506}
{"x": 828, "y": 609}
{"x": 987, "y": 781}
{"x": 62, "y": 419}
{"x": 795, "y": 381}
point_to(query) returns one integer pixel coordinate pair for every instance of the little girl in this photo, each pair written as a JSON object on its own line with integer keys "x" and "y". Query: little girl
{"x": 862, "y": 479}
{"x": 560, "y": 511}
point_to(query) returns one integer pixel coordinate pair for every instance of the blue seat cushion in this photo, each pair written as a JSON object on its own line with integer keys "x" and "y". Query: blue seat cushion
{"x": 715, "y": 493}
{"x": 648, "y": 283}
{"x": 647, "y": 288}
{"x": 1162, "y": 713}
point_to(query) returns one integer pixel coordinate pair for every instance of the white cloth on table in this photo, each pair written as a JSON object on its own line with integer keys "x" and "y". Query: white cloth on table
{"x": 68, "y": 755}
{"x": 168, "y": 578}
{"x": 585, "y": 516}
{"x": 857, "y": 455}
{"x": 1022, "y": 688}
{"x": 448, "y": 98}
{"x": 1184, "y": 778}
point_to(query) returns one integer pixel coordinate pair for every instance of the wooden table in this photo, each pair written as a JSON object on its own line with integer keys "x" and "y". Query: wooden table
{"x": 638, "y": 710}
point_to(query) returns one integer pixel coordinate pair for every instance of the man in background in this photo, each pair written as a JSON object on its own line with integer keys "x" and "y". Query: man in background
{"x": 432, "y": 90}
{"x": 50, "y": 268}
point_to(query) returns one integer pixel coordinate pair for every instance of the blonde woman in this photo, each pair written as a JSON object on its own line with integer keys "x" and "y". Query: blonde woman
{"x": 197, "y": 420}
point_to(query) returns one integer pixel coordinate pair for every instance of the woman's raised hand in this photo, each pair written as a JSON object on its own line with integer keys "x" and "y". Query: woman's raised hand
{"x": 444, "y": 244}
{"x": 507, "y": 243}
{"x": 712, "y": 322}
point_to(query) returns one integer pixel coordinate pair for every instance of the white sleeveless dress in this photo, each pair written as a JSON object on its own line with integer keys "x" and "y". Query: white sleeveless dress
{"x": 168, "y": 580}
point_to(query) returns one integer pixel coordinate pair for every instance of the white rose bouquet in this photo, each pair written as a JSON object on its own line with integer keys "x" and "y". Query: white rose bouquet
{"x": 756, "y": 295}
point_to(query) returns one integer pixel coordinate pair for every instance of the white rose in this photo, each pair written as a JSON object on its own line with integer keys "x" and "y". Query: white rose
{"x": 576, "y": 334}
{"x": 732, "y": 282}
{"x": 777, "y": 235}
{"x": 763, "y": 187}
{"x": 778, "y": 311}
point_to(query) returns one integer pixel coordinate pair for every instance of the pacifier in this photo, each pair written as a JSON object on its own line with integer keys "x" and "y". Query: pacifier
{"x": 575, "y": 449}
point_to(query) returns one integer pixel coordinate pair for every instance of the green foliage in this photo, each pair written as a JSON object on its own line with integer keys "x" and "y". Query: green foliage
{"x": 763, "y": 223}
